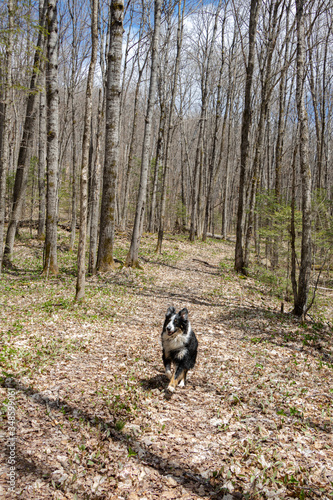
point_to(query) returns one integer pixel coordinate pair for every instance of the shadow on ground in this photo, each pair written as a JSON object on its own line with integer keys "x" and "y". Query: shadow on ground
{"x": 162, "y": 465}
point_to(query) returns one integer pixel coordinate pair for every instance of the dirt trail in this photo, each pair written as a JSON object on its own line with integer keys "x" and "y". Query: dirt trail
{"x": 99, "y": 423}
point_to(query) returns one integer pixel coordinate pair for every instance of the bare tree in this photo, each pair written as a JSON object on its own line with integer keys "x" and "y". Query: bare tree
{"x": 23, "y": 164}
{"x": 204, "y": 81}
{"x": 81, "y": 266}
{"x": 132, "y": 256}
{"x": 300, "y": 304}
{"x": 96, "y": 188}
{"x": 105, "y": 260}
{"x": 52, "y": 90}
{"x": 181, "y": 10}
{"x": 267, "y": 85}
{"x": 246, "y": 125}
{"x": 131, "y": 150}
{"x": 6, "y": 113}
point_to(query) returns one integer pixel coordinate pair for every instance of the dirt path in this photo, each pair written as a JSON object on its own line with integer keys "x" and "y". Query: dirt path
{"x": 253, "y": 420}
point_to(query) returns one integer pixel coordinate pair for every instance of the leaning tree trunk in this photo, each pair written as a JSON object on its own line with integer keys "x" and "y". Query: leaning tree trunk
{"x": 4, "y": 143}
{"x": 300, "y": 304}
{"x": 132, "y": 259}
{"x": 81, "y": 264}
{"x": 22, "y": 163}
{"x": 245, "y": 144}
{"x": 52, "y": 97}
{"x": 106, "y": 236}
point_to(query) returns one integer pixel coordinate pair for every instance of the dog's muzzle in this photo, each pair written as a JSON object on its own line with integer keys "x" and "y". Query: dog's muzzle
{"x": 170, "y": 330}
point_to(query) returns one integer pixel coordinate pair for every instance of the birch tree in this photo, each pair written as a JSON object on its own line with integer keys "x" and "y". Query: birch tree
{"x": 52, "y": 90}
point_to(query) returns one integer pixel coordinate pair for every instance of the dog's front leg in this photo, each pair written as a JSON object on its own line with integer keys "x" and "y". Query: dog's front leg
{"x": 168, "y": 372}
{"x": 167, "y": 366}
{"x": 177, "y": 378}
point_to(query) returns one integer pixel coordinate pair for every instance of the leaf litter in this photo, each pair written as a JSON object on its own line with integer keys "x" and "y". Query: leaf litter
{"x": 93, "y": 419}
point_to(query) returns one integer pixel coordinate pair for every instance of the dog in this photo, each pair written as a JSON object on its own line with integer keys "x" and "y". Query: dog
{"x": 179, "y": 345}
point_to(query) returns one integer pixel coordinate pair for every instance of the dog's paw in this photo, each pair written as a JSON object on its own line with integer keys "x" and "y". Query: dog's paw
{"x": 171, "y": 388}
{"x": 181, "y": 383}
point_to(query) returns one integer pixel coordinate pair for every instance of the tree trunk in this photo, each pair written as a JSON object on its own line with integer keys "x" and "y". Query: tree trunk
{"x": 52, "y": 91}
{"x": 74, "y": 174}
{"x": 4, "y": 139}
{"x": 158, "y": 162}
{"x": 292, "y": 224}
{"x": 81, "y": 261}
{"x": 168, "y": 139}
{"x": 106, "y": 236}
{"x": 264, "y": 107}
{"x": 280, "y": 132}
{"x": 131, "y": 160}
{"x": 72, "y": 7}
{"x": 42, "y": 139}
{"x": 215, "y": 137}
{"x": 42, "y": 162}
{"x": 196, "y": 191}
{"x": 300, "y": 304}
{"x": 95, "y": 190}
{"x": 246, "y": 126}
{"x": 132, "y": 256}
{"x": 23, "y": 164}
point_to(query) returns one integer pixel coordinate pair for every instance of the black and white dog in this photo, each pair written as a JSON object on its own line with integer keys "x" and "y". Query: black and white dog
{"x": 179, "y": 345}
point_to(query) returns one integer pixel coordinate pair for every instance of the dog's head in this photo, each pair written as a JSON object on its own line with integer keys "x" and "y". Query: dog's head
{"x": 175, "y": 321}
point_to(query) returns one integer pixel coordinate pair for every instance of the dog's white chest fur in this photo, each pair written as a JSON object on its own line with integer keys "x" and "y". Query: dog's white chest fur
{"x": 173, "y": 343}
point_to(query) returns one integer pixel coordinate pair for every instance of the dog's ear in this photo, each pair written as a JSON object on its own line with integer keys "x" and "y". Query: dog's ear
{"x": 171, "y": 310}
{"x": 184, "y": 314}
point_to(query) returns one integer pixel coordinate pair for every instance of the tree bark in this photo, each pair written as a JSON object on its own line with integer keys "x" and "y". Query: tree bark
{"x": 52, "y": 91}
{"x": 23, "y": 164}
{"x": 81, "y": 261}
{"x": 245, "y": 144}
{"x": 95, "y": 189}
{"x": 300, "y": 304}
{"x": 4, "y": 139}
{"x": 267, "y": 88}
{"x": 105, "y": 260}
{"x": 42, "y": 163}
{"x": 42, "y": 139}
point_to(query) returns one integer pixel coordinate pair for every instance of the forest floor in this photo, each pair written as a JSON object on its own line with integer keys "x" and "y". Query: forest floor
{"x": 93, "y": 419}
